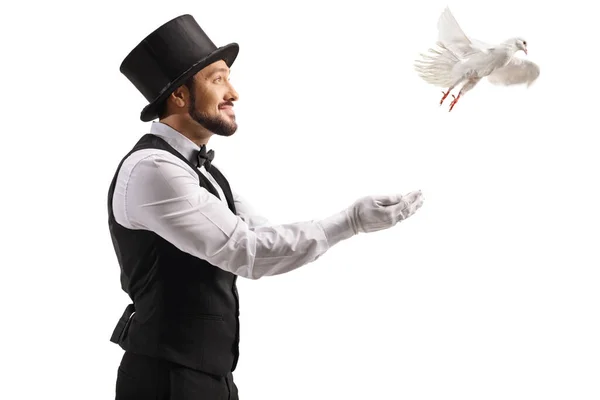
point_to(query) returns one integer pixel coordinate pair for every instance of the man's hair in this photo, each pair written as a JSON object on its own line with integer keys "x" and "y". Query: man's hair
{"x": 162, "y": 109}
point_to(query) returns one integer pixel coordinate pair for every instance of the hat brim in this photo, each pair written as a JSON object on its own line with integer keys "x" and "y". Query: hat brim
{"x": 226, "y": 53}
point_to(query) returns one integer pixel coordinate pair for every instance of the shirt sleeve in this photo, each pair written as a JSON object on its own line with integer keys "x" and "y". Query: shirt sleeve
{"x": 158, "y": 192}
{"x": 246, "y": 211}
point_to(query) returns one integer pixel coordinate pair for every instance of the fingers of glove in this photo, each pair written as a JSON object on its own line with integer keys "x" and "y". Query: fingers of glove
{"x": 386, "y": 201}
{"x": 415, "y": 202}
{"x": 412, "y": 208}
{"x": 410, "y": 204}
{"x": 380, "y": 212}
{"x": 403, "y": 201}
{"x": 395, "y": 199}
{"x": 414, "y": 197}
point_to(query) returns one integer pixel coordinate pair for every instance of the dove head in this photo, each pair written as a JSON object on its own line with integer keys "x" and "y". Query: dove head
{"x": 518, "y": 43}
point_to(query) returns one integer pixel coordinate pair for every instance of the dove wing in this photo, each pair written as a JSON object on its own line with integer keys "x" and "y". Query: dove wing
{"x": 452, "y": 48}
{"x": 451, "y": 35}
{"x": 517, "y": 71}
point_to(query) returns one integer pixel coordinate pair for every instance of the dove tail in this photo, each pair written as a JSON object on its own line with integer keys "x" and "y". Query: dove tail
{"x": 436, "y": 66}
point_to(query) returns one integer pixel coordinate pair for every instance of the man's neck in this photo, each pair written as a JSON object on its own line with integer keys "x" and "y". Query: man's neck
{"x": 190, "y": 129}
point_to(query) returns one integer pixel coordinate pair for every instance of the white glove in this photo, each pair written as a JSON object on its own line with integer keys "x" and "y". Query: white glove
{"x": 375, "y": 213}
{"x": 370, "y": 214}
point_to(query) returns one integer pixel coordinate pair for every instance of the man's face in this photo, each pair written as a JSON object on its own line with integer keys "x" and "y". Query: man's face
{"x": 211, "y": 99}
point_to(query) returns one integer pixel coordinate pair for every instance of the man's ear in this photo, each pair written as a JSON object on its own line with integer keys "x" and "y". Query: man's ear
{"x": 180, "y": 97}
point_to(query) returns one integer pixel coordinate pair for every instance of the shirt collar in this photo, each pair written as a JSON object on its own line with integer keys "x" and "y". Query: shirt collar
{"x": 178, "y": 141}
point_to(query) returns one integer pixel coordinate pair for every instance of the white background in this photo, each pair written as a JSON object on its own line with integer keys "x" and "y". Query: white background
{"x": 489, "y": 292}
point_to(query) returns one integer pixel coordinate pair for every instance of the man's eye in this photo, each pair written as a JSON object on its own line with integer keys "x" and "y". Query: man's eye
{"x": 218, "y": 79}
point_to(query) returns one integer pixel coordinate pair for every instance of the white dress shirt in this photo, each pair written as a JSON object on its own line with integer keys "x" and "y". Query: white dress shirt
{"x": 157, "y": 191}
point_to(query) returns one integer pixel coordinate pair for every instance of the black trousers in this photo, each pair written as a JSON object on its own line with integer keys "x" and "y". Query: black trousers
{"x": 140, "y": 378}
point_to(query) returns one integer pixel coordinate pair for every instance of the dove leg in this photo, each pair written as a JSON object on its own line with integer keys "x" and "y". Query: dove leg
{"x": 446, "y": 94}
{"x": 454, "y": 101}
{"x": 470, "y": 84}
{"x": 452, "y": 86}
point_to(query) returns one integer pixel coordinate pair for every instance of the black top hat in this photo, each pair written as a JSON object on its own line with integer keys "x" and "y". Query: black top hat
{"x": 167, "y": 57}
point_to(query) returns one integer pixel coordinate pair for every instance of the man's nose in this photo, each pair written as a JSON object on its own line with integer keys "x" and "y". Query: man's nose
{"x": 232, "y": 94}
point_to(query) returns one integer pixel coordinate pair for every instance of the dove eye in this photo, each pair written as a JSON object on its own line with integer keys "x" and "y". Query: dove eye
{"x": 525, "y": 43}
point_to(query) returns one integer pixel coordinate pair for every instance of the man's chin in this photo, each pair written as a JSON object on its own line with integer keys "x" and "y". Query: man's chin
{"x": 228, "y": 128}
{"x": 218, "y": 126}
{"x": 226, "y": 133}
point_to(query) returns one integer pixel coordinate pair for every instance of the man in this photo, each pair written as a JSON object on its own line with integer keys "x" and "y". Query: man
{"x": 182, "y": 236}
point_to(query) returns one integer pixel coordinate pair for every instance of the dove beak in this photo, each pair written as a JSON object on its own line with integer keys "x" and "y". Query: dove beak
{"x": 525, "y": 50}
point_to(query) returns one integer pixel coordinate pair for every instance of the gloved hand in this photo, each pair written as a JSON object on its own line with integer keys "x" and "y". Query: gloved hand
{"x": 370, "y": 214}
{"x": 375, "y": 213}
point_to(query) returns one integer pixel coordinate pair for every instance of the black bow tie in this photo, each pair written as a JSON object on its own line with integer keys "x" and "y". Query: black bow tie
{"x": 205, "y": 158}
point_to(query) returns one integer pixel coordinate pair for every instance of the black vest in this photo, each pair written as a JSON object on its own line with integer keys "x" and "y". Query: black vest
{"x": 184, "y": 309}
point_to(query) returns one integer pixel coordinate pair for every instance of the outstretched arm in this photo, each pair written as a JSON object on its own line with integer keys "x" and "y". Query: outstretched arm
{"x": 157, "y": 192}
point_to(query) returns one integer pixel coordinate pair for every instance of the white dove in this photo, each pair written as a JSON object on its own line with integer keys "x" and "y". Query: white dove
{"x": 459, "y": 58}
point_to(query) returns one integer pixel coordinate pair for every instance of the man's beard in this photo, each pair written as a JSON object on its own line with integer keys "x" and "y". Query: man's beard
{"x": 217, "y": 125}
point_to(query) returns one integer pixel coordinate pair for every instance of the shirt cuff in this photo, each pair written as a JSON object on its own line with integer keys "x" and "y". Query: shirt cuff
{"x": 337, "y": 227}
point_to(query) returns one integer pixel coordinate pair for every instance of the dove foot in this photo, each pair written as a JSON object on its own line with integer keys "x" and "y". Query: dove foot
{"x": 454, "y": 101}
{"x": 445, "y": 95}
